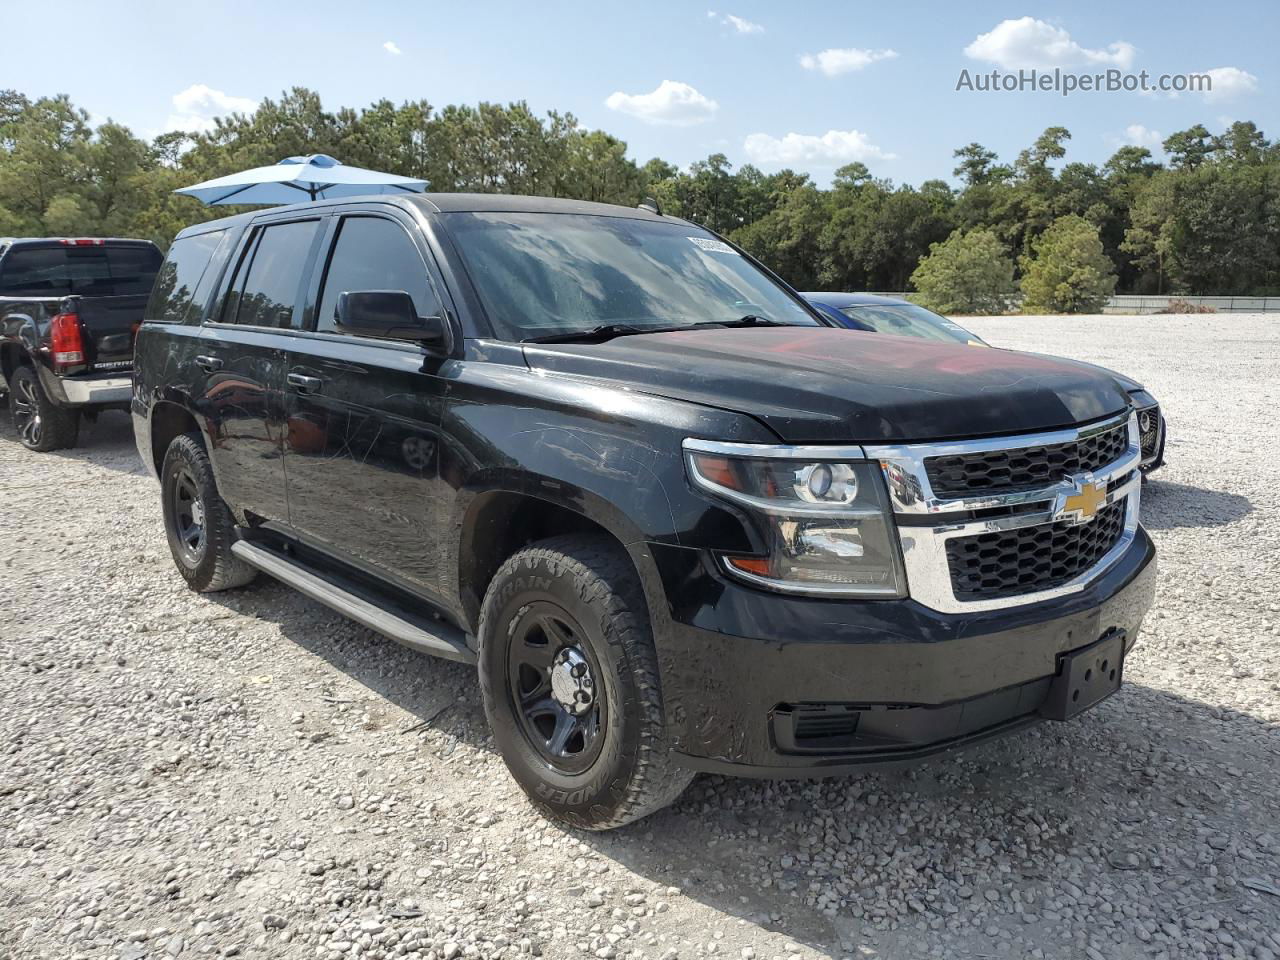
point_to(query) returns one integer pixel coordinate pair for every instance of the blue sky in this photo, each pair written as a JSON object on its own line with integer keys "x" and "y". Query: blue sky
{"x": 809, "y": 85}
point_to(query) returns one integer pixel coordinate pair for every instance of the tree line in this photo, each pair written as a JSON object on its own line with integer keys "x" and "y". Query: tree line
{"x": 1206, "y": 221}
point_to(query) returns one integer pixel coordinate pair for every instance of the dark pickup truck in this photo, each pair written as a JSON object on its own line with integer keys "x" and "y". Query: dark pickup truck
{"x": 678, "y": 522}
{"x": 69, "y": 310}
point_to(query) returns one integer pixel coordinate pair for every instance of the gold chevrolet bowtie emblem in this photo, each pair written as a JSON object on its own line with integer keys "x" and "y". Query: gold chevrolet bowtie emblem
{"x": 1081, "y": 506}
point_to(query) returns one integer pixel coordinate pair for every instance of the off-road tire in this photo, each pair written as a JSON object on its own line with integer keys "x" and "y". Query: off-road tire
{"x": 593, "y": 579}
{"x": 215, "y": 567}
{"x": 54, "y": 427}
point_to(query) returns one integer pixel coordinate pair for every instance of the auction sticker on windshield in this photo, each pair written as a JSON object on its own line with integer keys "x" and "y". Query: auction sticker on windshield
{"x": 711, "y": 246}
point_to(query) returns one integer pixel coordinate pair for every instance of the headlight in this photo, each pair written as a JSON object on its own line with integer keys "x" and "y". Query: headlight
{"x": 826, "y": 521}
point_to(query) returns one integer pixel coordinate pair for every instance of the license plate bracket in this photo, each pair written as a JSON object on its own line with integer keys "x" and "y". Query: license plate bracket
{"x": 1086, "y": 677}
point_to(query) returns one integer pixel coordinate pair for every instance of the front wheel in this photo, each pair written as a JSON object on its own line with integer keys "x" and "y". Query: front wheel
{"x": 41, "y": 425}
{"x": 199, "y": 527}
{"x": 570, "y": 681}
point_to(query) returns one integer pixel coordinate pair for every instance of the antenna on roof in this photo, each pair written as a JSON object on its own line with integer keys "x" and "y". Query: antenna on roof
{"x": 650, "y": 204}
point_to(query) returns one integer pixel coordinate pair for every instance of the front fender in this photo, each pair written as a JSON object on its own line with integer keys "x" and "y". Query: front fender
{"x": 610, "y": 455}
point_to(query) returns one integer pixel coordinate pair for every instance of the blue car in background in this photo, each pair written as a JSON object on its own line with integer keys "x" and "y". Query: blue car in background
{"x": 868, "y": 312}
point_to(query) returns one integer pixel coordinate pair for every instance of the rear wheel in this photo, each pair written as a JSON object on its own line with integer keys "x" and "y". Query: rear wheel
{"x": 570, "y": 682}
{"x": 198, "y": 523}
{"x": 39, "y": 423}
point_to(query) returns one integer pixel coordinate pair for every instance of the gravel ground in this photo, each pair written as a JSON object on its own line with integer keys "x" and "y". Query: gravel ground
{"x": 248, "y": 774}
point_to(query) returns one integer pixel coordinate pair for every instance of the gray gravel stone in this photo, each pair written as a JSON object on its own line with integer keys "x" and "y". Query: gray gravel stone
{"x": 247, "y": 771}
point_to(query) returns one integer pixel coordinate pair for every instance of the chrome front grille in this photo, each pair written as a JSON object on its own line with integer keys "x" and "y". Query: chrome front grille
{"x": 993, "y": 523}
{"x": 962, "y": 474}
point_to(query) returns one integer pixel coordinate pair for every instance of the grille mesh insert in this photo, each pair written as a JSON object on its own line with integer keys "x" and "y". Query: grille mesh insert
{"x": 1150, "y": 437}
{"x": 1008, "y": 471}
{"x": 1008, "y": 563}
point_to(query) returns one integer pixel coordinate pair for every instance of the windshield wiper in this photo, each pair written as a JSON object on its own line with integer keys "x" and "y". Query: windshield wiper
{"x": 605, "y": 331}
{"x": 755, "y": 320}
{"x": 750, "y": 320}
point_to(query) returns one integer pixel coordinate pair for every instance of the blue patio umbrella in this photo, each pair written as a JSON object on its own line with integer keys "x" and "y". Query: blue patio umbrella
{"x": 295, "y": 179}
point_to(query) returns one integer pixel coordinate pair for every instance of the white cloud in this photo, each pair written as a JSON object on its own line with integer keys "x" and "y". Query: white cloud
{"x": 1141, "y": 136}
{"x": 833, "y": 147}
{"x": 672, "y": 103}
{"x": 740, "y": 24}
{"x": 391, "y": 48}
{"x": 836, "y": 61}
{"x": 1027, "y": 42}
{"x": 1229, "y": 83}
{"x": 195, "y": 107}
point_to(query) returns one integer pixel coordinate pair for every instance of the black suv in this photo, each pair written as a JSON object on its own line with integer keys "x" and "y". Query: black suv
{"x": 677, "y": 522}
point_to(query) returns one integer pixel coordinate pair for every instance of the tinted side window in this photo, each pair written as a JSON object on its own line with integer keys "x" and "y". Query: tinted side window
{"x": 272, "y": 275}
{"x": 183, "y": 268}
{"x": 375, "y": 254}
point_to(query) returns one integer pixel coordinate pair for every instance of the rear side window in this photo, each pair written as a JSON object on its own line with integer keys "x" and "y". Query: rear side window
{"x": 89, "y": 271}
{"x": 185, "y": 277}
{"x": 267, "y": 287}
{"x": 374, "y": 254}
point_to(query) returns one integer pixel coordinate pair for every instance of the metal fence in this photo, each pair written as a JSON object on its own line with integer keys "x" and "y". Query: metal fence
{"x": 1134, "y": 303}
{"x": 1149, "y": 303}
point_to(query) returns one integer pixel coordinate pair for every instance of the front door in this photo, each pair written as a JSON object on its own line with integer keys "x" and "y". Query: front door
{"x": 242, "y": 356}
{"x": 363, "y": 415}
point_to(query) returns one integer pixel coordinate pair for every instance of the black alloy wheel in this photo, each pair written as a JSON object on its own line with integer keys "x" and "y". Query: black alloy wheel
{"x": 197, "y": 522}
{"x": 569, "y": 673}
{"x": 554, "y": 688}
{"x": 26, "y": 413}
{"x": 188, "y": 515}
{"x": 40, "y": 424}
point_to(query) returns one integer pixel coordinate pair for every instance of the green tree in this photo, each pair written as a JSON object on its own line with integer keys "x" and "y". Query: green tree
{"x": 975, "y": 164}
{"x": 1189, "y": 148}
{"x": 1209, "y": 222}
{"x": 967, "y": 273}
{"x": 1069, "y": 272}
{"x": 787, "y": 238}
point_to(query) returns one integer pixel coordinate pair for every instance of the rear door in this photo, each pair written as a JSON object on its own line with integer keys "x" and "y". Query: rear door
{"x": 363, "y": 413}
{"x": 240, "y": 363}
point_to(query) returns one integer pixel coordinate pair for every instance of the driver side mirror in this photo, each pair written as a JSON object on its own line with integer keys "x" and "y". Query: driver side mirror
{"x": 389, "y": 315}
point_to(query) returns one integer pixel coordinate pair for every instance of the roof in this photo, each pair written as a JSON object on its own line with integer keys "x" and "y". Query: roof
{"x": 4, "y": 241}
{"x": 452, "y": 203}
{"x": 839, "y": 300}
{"x": 510, "y": 203}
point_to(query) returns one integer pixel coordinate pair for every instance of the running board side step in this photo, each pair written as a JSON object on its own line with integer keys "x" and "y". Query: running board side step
{"x": 438, "y": 638}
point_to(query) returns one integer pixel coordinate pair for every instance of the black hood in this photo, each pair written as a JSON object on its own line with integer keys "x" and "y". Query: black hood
{"x": 1126, "y": 383}
{"x": 821, "y": 385}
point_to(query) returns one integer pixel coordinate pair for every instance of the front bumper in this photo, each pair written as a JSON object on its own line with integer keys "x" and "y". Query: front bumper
{"x": 742, "y": 669}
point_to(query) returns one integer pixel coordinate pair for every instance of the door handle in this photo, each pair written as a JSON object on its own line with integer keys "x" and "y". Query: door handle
{"x": 208, "y": 364}
{"x": 304, "y": 384}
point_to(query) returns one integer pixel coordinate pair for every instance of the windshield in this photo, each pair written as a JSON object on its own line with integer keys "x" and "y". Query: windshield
{"x": 908, "y": 320}
{"x": 544, "y": 274}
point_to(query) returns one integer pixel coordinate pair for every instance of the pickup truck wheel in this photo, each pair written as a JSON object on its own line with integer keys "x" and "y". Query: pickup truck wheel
{"x": 570, "y": 682}
{"x": 197, "y": 522}
{"x": 39, "y": 423}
